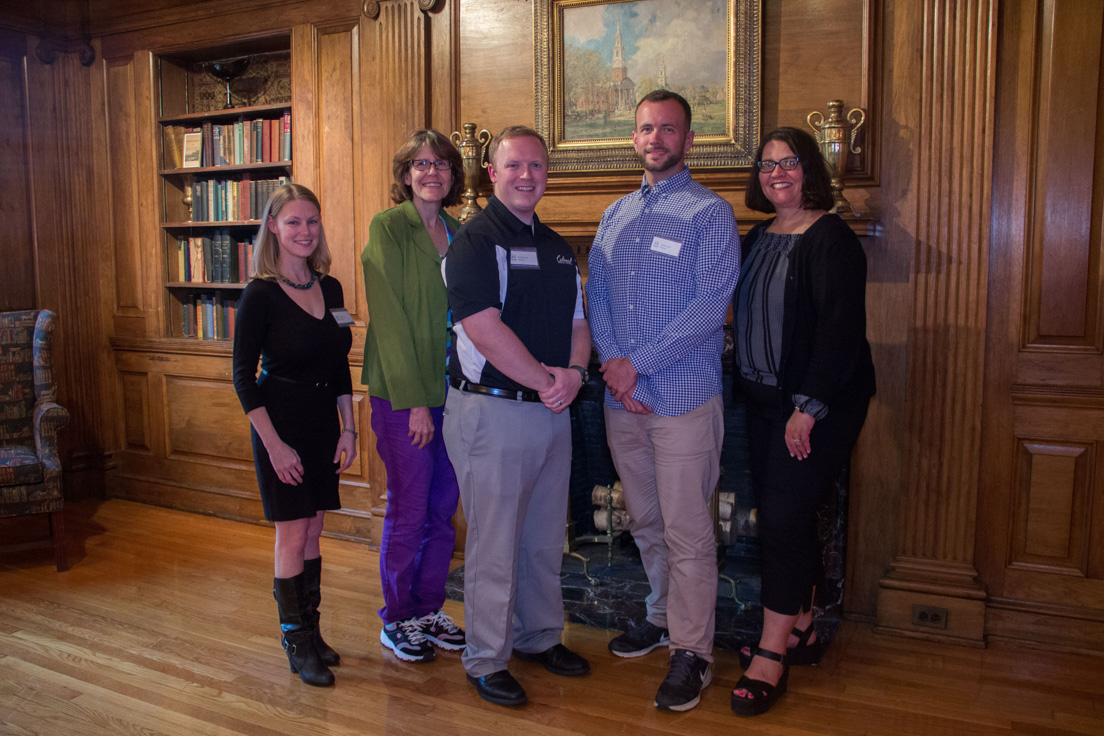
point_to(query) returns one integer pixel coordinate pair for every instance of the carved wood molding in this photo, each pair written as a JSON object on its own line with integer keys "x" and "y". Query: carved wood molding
{"x": 950, "y": 268}
{"x": 371, "y": 8}
{"x": 48, "y": 48}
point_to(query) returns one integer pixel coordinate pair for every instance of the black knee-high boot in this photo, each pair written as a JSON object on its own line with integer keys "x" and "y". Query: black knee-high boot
{"x": 298, "y": 634}
{"x": 312, "y": 576}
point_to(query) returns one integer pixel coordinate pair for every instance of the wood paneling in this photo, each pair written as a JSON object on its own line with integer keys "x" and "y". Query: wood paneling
{"x": 1064, "y": 264}
{"x": 204, "y": 421}
{"x": 794, "y": 38}
{"x": 1050, "y": 507}
{"x": 936, "y": 541}
{"x": 336, "y": 144}
{"x": 135, "y": 411}
{"x": 17, "y": 267}
{"x": 1041, "y": 494}
{"x": 122, "y": 132}
{"x": 188, "y": 443}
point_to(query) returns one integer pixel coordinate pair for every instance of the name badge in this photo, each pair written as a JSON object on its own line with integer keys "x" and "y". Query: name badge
{"x": 341, "y": 316}
{"x": 523, "y": 258}
{"x": 666, "y": 247}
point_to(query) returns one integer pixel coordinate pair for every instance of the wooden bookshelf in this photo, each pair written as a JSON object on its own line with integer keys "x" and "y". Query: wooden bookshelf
{"x": 229, "y": 169}
{"x": 211, "y": 210}
{"x": 220, "y": 115}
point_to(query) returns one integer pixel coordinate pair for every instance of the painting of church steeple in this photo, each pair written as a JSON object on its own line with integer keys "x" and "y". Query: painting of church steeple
{"x": 622, "y": 89}
{"x": 617, "y": 51}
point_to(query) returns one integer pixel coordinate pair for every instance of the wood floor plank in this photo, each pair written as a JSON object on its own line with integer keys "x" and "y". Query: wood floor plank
{"x": 165, "y": 624}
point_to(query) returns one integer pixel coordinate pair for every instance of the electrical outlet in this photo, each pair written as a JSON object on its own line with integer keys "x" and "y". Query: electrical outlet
{"x": 931, "y": 616}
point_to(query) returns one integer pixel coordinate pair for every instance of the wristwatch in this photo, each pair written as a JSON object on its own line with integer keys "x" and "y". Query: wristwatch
{"x": 583, "y": 372}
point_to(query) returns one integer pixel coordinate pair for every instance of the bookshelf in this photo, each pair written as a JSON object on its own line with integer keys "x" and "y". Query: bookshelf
{"x": 217, "y": 169}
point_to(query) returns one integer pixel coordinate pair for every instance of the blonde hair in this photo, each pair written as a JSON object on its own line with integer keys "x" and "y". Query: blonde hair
{"x": 266, "y": 252}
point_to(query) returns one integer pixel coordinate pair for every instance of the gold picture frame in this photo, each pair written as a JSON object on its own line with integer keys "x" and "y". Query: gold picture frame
{"x": 589, "y": 129}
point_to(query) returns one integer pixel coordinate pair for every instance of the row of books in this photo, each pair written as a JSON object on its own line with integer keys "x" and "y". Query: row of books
{"x": 209, "y": 316}
{"x": 224, "y": 200}
{"x": 218, "y": 259}
{"x": 262, "y": 140}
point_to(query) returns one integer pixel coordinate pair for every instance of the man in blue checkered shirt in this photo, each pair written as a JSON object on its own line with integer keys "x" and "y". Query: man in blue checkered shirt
{"x": 662, "y": 270}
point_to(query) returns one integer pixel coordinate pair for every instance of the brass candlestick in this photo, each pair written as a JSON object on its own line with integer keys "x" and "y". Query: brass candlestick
{"x": 188, "y": 199}
{"x": 473, "y": 151}
{"x": 836, "y": 137}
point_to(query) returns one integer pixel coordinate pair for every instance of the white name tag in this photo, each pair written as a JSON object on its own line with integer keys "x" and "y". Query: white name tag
{"x": 523, "y": 258}
{"x": 666, "y": 247}
{"x": 341, "y": 316}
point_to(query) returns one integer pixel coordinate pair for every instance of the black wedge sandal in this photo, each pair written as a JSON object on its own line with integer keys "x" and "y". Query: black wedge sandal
{"x": 763, "y": 694}
{"x": 804, "y": 654}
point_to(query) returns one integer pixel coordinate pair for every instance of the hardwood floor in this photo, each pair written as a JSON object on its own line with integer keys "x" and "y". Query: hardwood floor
{"x": 165, "y": 624}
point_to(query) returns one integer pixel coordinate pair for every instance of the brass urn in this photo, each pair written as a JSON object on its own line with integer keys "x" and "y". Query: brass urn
{"x": 836, "y": 136}
{"x": 473, "y": 151}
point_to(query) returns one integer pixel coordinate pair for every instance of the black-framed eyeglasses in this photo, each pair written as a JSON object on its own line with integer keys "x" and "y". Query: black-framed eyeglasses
{"x": 423, "y": 164}
{"x": 788, "y": 164}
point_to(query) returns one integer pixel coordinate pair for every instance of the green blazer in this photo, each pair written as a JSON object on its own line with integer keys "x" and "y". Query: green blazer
{"x": 404, "y": 350}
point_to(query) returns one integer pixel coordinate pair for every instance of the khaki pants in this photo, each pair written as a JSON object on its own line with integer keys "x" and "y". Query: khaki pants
{"x": 669, "y": 467}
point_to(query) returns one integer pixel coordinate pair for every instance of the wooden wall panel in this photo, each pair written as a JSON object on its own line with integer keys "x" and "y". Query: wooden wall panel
{"x": 17, "y": 265}
{"x": 935, "y": 556}
{"x": 135, "y": 411}
{"x": 1065, "y": 240}
{"x": 795, "y": 38}
{"x": 204, "y": 421}
{"x": 336, "y": 146}
{"x": 198, "y": 455}
{"x": 122, "y": 131}
{"x": 1041, "y": 489}
{"x": 1049, "y": 515}
{"x": 69, "y": 169}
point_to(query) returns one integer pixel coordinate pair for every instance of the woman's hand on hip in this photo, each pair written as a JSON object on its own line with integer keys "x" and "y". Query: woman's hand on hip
{"x": 798, "y": 429}
{"x": 421, "y": 426}
{"x": 285, "y": 461}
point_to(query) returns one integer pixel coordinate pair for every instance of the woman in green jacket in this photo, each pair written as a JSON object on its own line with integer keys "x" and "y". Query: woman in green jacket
{"x": 405, "y": 356}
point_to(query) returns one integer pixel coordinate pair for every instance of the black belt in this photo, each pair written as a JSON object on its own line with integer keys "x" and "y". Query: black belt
{"x": 313, "y": 384}
{"x": 475, "y": 388}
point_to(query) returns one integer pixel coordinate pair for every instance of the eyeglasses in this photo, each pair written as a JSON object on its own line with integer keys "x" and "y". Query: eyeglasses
{"x": 423, "y": 164}
{"x": 787, "y": 164}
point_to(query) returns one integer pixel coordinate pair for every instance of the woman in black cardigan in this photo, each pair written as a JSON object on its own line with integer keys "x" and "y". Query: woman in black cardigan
{"x": 805, "y": 371}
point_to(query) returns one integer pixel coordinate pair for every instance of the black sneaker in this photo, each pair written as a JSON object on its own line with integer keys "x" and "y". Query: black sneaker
{"x": 441, "y": 630}
{"x": 639, "y": 640}
{"x": 406, "y": 640}
{"x": 686, "y": 678}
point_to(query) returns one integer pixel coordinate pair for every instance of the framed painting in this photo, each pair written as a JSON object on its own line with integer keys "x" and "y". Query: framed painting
{"x": 595, "y": 59}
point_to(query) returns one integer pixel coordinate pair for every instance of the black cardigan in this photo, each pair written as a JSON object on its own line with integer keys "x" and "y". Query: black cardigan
{"x": 825, "y": 354}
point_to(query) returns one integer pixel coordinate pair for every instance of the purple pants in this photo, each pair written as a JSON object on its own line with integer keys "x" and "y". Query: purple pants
{"x": 422, "y": 495}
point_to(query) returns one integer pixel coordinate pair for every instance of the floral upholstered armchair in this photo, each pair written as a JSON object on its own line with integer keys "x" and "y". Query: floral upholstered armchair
{"x": 30, "y": 470}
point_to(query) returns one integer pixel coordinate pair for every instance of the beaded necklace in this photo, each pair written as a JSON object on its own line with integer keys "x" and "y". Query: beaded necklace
{"x": 301, "y": 287}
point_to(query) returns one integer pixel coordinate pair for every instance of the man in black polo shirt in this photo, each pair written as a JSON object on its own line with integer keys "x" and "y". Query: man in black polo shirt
{"x": 517, "y": 363}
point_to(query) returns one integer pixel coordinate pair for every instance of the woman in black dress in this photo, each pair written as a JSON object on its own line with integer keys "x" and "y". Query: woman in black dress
{"x": 292, "y": 317}
{"x": 805, "y": 372}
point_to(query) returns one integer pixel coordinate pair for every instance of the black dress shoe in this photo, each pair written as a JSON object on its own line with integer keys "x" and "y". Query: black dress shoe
{"x": 558, "y": 659}
{"x": 499, "y": 688}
